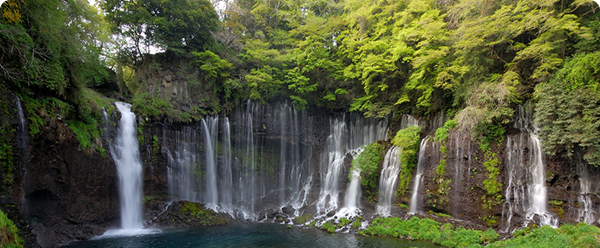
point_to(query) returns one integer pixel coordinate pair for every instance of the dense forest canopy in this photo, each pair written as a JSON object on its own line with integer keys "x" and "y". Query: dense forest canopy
{"x": 476, "y": 60}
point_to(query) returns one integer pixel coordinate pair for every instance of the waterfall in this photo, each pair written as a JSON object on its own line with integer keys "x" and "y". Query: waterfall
{"x": 388, "y": 180}
{"x": 414, "y": 199}
{"x": 125, "y": 152}
{"x": 353, "y": 193}
{"x": 332, "y": 165}
{"x": 183, "y": 163}
{"x": 226, "y": 177}
{"x": 283, "y": 117}
{"x": 526, "y": 192}
{"x": 210, "y": 137}
{"x": 22, "y": 127}
{"x": 262, "y": 159}
{"x": 586, "y": 212}
{"x": 23, "y": 136}
{"x": 346, "y": 136}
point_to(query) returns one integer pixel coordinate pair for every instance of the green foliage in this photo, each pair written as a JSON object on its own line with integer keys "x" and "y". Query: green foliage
{"x": 427, "y": 229}
{"x": 217, "y": 71}
{"x": 328, "y": 227}
{"x": 302, "y": 219}
{"x": 568, "y": 109}
{"x": 53, "y": 48}
{"x": 408, "y": 139}
{"x": 343, "y": 222}
{"x": 580, "y": 235}
{"x": 177, "y": 25}
{"x": 197, "y": 213}
{"x": 489, "y": 236}
{"x": 146, "y": 105}
{"x": 9, "y": 234}
{"x": 441, "y": 136}
{"x": 368, "y": 164}
{"x": 85, "y": 133}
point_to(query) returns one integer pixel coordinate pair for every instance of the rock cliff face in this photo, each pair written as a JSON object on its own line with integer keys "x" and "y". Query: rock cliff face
{"x": 178, "y": 82}
{"x": 465, "y": 168}
{"x": 66, "y": 194}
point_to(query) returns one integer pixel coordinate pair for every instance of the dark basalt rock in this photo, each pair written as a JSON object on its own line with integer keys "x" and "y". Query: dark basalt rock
{"x": 69, "y": 194}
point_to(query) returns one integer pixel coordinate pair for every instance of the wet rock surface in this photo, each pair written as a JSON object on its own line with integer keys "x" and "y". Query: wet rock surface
{"x": 69, "y": 194}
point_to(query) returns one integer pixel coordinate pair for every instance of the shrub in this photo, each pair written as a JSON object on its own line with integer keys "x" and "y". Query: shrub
{"x": 368, "y": 164}
{"x": 9, "y": 234}
{"x": 408, "y": 139}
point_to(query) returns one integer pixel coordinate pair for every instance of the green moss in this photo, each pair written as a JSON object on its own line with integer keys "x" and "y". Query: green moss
{"x": 367, "y": 162}
{"x": 195, "y": 212}
{"x": 9, "y": 234}
{"x": 343, "y": 222}
{"x": 328, "y": 227}
{"x": 408, "y": 139}
{"x": 87, "y": 134}
{"x": 302, "y": 219}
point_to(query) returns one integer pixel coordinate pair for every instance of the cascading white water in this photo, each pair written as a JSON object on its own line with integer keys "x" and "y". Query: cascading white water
{"x": 526, "y": 192}
{"x": 226, "y": 177}
{"x": 212, "y": 197}
{"x": 21, "y": 118}
{"x": 332, "y": 165}
{"x": 125, "y": 152}
{"x": 23, "y": 136}
{"x": 414, "y": 199}
{"x": 263, "y": 159}
{"x": 183, "y": 163}
{"x": 388, "y": 180}
{"x": 283, "y": 117}
{"x": 353, "y": 193}
{"x": 586, "y": 212}
{"x": 538, "y": 195}
{"x": 345, "y": 137}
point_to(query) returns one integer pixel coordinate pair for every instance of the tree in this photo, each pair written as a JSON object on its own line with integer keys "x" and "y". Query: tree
{"x": 176, "y": 25}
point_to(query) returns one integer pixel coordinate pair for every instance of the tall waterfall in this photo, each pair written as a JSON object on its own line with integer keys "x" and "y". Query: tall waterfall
{"x": 226, "y": 176}
{"x": 353, "y": 193}
{"x": 22, "y": 127}
{"x": 526, "y": 192}
{"x": 414, "y": 199}
{"x": 388, "y": 180}
{"x": 346, "y": 136}
{"x": 259, "y": 161}
{"x": 23, "y": 140}
{"x": 125, "y": 152}
{"x": 212, "y": 197}
{"x": 331, "y": 165}
{"x": 586, "y": 212}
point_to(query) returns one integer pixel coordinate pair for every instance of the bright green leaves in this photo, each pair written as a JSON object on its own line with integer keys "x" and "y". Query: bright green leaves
{"x": 397, "y": 49}
{"x": 213, "y": 65}
{"x": 368, "y": 164}
{"x": 216, "y": 72}
{"x": 408, "y": 139}
{"x": 262, "y": 84}
{"x": 568, "y": 109}
{"x": 177, "y": 25}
